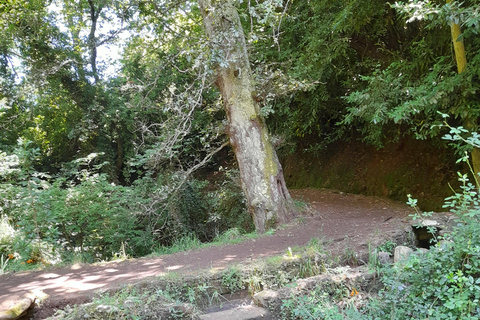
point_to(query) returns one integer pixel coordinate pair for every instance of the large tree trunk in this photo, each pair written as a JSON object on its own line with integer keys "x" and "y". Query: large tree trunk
{"x": 461, "y": 59}
{"x": 261, "y": 174}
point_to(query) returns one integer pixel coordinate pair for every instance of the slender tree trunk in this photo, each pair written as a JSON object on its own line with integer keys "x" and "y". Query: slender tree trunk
{"x": 92, "y": 41}
{"x": 119, "y": 160}
{"x": 75, "y": 33}
{"x": 461, "y": 58}
{"x": 261, "y": 174}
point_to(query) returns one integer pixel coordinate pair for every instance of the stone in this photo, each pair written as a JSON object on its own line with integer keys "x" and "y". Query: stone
{"x": 384, "y": 257}
{"x": 17, "y": 307}
{"x": 263, "y": 298}
{"x": 240, "y": 313}
{"x": 401, "y": 253}
{"x": 424, "y": 223}
{"x": 430, "y": 223}
{"x": 103, "y": 308}
{"x": 130, "y": 302}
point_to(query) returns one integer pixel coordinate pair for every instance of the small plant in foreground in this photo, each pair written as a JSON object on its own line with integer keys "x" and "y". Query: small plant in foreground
{"x": 187, "y": 242}
{"x": 316, "y": 246}
{"x": 387, "y": 246}
{"x": 232, "y": 280}
{"x": 3, "y": 264}
{"x": 310, "y": 268}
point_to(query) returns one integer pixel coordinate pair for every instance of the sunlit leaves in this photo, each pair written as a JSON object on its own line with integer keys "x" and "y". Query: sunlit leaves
{"x": 425, "y": 76}
{"x": 418, "y": 10}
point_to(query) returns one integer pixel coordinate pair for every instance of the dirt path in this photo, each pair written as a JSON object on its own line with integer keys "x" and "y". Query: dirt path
{"x": 344, "y": 220}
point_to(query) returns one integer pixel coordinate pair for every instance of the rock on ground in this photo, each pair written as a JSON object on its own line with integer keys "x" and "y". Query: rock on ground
{"x": 16, "y": 307}
{"x": 402, "y": 253}
{"x": 240, "y": 313}
{"x": 383, "y": 257}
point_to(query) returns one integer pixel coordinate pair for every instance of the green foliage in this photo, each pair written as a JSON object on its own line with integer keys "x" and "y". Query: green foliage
{"x": 328, "y": 45}
{"x": 7, "y": 236}
{"x": 406, "y": 96}
{"x": 185, "y": 243}
{"x": 53, "y": 216}
{"x": 80, "y": 214}
{"x": 232, "y": 279}
{"x": 443, "y": 284}
{"x": 387, "y": 246}
{"x": 85, "y": 218}
{"x": 3, "y": 264}
{"x": 315, "y": 305}
{"x": 227, "y": 206}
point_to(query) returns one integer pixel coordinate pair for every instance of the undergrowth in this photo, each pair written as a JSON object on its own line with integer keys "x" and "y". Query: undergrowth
{"x": 442, "y": 284}
{"x": 79, "y": 216}
{"x": 176, "y": 296}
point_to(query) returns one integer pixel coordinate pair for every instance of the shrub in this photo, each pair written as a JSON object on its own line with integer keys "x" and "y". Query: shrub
{"x": 7, "y": 236}
{"x": 92, "y": 216}
{"x": 443, "y": 284}
{"x": 227, "y": 206}
{"x": 79, "y": 214}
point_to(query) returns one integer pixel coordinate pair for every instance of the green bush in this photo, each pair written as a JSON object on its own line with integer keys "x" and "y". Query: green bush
{"x": 443, "y": 284}
{"x": 227, "y": 206}
{"x": 92, "y": 217}
{"x": 7, "y": 236}
{"x": 79, "y": 215}
{"x": 192, "y": 207}
{"x": 209, "y": 209}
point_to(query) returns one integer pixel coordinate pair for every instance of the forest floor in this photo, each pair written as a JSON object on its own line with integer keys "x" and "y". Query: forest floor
{"x": 345, "y": 222}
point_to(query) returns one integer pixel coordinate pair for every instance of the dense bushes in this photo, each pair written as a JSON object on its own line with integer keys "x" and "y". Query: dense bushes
{"x": 93, "y": 218}
{"x": 443, "y": 284}
{"x": 80, "y": 215}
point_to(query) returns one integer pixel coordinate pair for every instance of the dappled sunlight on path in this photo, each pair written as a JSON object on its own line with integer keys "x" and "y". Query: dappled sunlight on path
{"x": 340, "y": 219}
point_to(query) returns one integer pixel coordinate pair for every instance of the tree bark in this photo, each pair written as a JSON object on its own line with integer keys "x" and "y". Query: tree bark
{"x": 92, "y": 41}
{"x": 461, "y": 59}
{"x": 261, "y": 174}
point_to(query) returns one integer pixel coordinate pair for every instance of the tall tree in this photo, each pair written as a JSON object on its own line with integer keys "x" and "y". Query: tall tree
{"x": 261, "y": 173}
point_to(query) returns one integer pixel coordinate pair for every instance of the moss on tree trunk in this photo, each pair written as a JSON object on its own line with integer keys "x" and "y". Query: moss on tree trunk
{"x": 261, "y": 174}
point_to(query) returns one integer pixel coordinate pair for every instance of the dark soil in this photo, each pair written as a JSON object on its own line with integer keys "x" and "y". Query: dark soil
{"x": 347, "y": 223}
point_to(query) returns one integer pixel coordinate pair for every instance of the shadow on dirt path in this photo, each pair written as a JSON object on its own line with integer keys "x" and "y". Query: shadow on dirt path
{"x": 342, "y": 220}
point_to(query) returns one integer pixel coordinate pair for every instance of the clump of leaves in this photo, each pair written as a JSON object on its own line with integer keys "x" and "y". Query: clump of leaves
{"x": 387, "y": 246}
{"x": 232, "y": 279}
{"x": 445, "y": 282}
